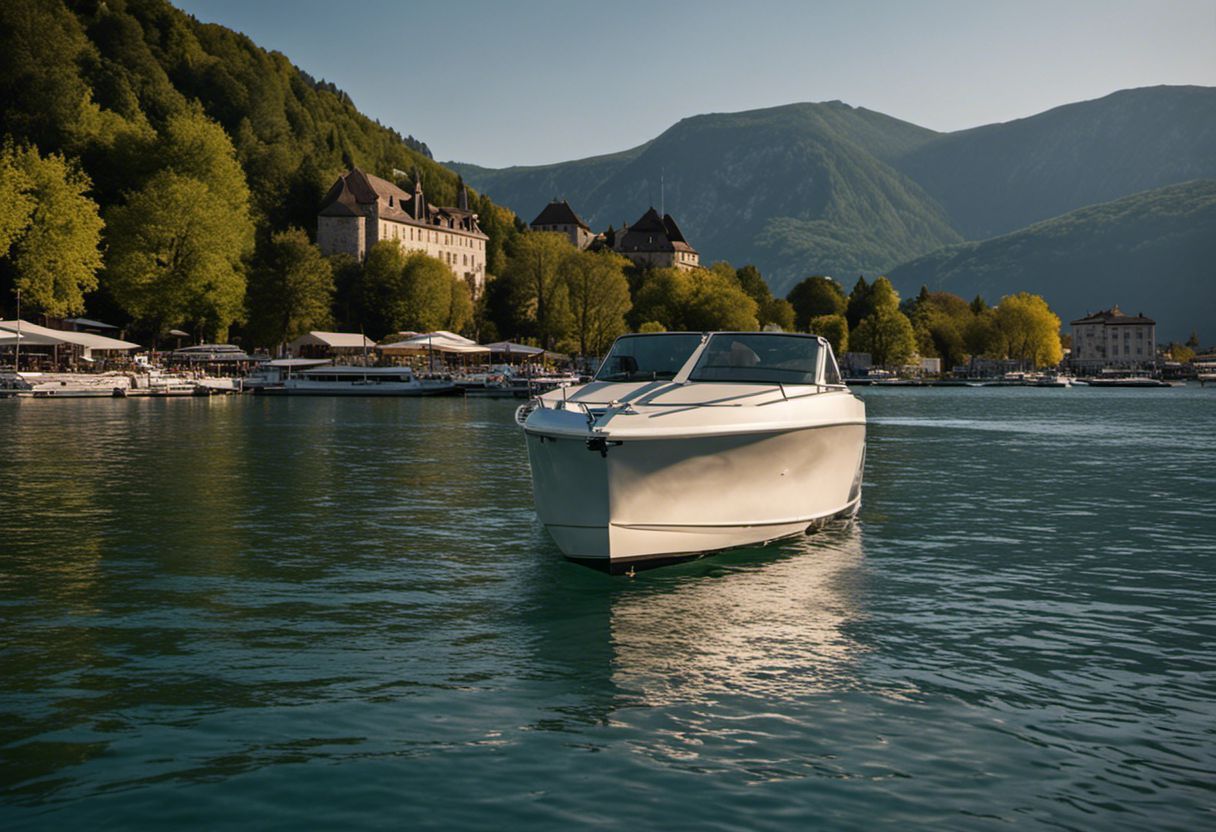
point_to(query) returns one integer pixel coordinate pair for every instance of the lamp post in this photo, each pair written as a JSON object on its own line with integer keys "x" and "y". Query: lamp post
{"x": 17, "y": 354}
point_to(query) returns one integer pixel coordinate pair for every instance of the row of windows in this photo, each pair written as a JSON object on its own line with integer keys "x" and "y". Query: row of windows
{"x": 419, "y": 235}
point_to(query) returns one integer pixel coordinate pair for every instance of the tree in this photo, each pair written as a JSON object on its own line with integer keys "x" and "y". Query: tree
{"x": 49, "y": 230}
{"x": 886, "y": 334}
{"x": 292, "y": 289}
{"x": 777, "y": 312}
{"x": 663, "y": 297}
{"x": 940, "y": 320}
{"x": 717, "y": 303}
{"x": 752, "y": 282}
{"x": 699, "y": 301}
{"x": 411, "y": 291}
{"x": 599, "y": 298}
{"x": 381, "y": 288}
{"x": 179, "y": 244}
{"x": 175, "y": 256}
{"x": 835, "y": 328}
{"x": 859, "y": 305}
{"x": 460, "y": 308}
{"x": 1028, "y": 330}
{"x": 814, "y": 297}
{"x": 1193, "y": 341}
{"x": 16, "y": 202}
{"x": 426, "y": 301}
{"x": 534, "y": 267}
{"x": 652, "y": 326}
{"x": 1180, "y": 352}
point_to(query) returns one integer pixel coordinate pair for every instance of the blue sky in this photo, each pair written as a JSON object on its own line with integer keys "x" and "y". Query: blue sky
{"x": 537, "y": 81}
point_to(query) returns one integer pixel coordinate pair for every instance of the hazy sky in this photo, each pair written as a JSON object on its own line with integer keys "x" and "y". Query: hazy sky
{"x": 537, "y": 81}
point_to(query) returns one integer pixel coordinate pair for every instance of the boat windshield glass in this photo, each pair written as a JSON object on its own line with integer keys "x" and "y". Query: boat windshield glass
{"x": 765, "y": 358}
{"x": 656, "y": 357}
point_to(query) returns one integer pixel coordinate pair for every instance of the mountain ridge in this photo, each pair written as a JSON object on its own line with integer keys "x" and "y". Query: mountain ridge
{"x": 1153, "y": 251}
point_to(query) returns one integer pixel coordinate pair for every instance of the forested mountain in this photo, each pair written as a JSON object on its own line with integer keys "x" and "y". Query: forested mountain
{"x": 790, "y": 189}
{"x": 832, "y": 189}
{"x": 101, "y": 81}
{"x": 1153, "y": 252}
{"x": 1001, "y": 177}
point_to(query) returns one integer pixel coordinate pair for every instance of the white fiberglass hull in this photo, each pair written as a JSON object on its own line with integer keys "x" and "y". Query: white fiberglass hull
{"x": 669, "y": 498}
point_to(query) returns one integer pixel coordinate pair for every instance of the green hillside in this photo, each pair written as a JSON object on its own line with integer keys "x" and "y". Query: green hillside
{"x": 1001, "y": 177}
{"x": 796, "y": 190}
{"x": 1152, "y": 252}
{"x": 98, "y": 80}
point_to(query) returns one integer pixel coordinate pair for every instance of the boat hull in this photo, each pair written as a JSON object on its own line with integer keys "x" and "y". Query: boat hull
{"x": 648, "y": 502}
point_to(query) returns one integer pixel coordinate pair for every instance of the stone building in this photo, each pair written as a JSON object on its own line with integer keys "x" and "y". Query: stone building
{"x": 560, "y": 217}
{"x": 656, "y": 242}
{"x": 1112, "y": 340}
{"x": 360, "y": 210}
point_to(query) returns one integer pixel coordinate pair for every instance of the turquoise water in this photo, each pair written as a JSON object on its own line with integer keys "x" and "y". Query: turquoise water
{"x": 273, "y": 613}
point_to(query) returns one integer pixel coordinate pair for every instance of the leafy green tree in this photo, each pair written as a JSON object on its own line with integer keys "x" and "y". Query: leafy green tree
{"x": 176, "y": 256}
{"x": 1180, "y": 352}
{"x": 49, "y": 231}
{"x": 534, "y": 266}
{"x": 777, "y": 312}
{"x": 695, "y": 301}
{"x": 718, "y": 303}
{"x": 886, "y": 334}
{"x": 382, "y": 288}
{"x": 663, "y": 297}
{"x": 1028, "y": 330}
{"x": 348, "y": 298}
{"x": 460, "y": 308}
{"x": 178, "y": 246}
{"x": 814, "y": 297}
{"x": 193, "y": 145}
{"x": 426, "y": 302}
{"x": 941, "y": 320}
{"x": 410, "y": 291}
{"x": 835, "y": 328}
{"x": 752, "y": 282}
{"x": 1193, "y": 341}
{"x": 599, "y": 298}
{"x": 16, "y": 201}
{"x": 652, "y": 326}
{"x": 859, "y": 303}
{"x": 291, "y": 290}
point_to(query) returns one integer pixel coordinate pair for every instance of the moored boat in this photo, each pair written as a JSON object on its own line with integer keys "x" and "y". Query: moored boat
{"x": 686, "y": 443}
{"x": 341, "y": 380}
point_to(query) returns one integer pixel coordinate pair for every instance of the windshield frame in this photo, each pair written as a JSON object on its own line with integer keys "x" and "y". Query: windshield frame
{"x": 823, "y": 351}
{"x": 697, "y": 340}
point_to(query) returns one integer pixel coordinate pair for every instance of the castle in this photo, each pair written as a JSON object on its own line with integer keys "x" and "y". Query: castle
{"x": 361, "y": 210}
{"x": 651, "y": 242}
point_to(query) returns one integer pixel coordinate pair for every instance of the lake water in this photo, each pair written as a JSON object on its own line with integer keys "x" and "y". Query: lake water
{"x": 260, "y": 613}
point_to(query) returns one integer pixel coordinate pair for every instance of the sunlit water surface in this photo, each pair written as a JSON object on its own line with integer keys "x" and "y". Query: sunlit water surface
{"x": 266, "y": 613}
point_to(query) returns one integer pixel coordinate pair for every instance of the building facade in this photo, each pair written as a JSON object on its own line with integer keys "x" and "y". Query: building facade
{"x": 656, "y": 242}
{"x": 360, "y": 210}
{"x": 1113, "y": 340}
{"x": 559, "y": 217}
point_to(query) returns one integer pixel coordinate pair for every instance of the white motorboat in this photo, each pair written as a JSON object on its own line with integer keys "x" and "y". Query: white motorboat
{"x": 341, "y": 380}
{"x": 686, "y": 443}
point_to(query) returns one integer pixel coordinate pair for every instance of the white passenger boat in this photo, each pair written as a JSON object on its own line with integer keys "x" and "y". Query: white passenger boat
{"x": 687, "y": 443}
{"x": 340, "y": 380}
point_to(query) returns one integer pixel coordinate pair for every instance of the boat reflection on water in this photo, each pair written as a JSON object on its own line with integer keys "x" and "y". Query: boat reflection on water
{"x": 767, "y": 622}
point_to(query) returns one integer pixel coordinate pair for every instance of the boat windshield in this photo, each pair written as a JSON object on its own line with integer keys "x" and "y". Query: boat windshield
{"x": 656, "y": 357}
{"x": 759, "y": 357}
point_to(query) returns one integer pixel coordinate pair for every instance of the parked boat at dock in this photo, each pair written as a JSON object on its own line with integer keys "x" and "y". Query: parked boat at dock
{"x": 340, "y": 380}
{"x": 686, "y": 443}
